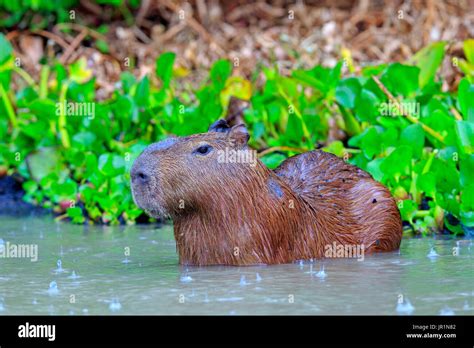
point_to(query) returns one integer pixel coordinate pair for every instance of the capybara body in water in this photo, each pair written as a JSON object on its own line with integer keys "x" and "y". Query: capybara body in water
{"x": 235, "y": 211}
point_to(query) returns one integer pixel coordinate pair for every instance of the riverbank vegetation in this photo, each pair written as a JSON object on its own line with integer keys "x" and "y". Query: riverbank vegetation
{"x": 73, "y": 146}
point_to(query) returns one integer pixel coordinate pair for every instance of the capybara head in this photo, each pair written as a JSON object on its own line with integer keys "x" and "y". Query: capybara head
{"x": 182, "y": 174}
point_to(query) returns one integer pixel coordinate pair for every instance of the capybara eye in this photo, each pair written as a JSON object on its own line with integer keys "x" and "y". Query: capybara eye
{"x": 203, "y": 149}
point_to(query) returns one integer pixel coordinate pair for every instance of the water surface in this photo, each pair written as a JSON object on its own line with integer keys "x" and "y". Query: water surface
{"x": 134, "y": 270}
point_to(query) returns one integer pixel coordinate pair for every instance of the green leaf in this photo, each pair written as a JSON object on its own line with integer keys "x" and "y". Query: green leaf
{"x": 467, "y": 198}
{"x": 466, "y": 99}
{"x": 469, "y": 50}
{"x": 76, "y": 215}
{"x": 370, "y": 143}
{"x": 366, "y": 106}
{"x": 407, "y": 209}
{"x": 336, "y": 148}
{"x": 103, "y": 46}
{"x": 401, "y": 79}
{"x": 413, "y": 136}
{"x": 142, "y": 92}
{"x": 373, "y": 167}
{"x": 397, "y": 162}
{"x": 164, "y": 67}
{"x": 79, "y": 71}
{"x": 427, "y": 184}
{"x": 319, "y": 77}
{"x": 84, "y": 139}
{"x": 220, "y": 72}
{"x": 273, "y": 160}
{"x": 5, "y": 49}
{"x": 428, "y": 60}
{"x": 235, "y": 86}
{"x": 466, "y": 170}
{"x": 347, "y": 91}
{"x": 43, "y": 162}
{"x": 111, "y": 165}
{"x": 465, "y": 136}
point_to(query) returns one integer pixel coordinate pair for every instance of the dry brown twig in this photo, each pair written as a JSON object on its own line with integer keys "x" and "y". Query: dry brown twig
{"x": 73, "y": 46}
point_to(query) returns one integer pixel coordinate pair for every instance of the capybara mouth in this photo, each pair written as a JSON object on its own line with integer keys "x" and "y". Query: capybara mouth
{"x": 149, "y": 205}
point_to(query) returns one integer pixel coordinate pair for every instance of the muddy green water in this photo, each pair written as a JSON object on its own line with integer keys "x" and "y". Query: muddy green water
{"x": 95, "y": 276}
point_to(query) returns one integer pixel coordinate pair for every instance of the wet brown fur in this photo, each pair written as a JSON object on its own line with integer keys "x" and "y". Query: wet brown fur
{"x": 236, "y": 214}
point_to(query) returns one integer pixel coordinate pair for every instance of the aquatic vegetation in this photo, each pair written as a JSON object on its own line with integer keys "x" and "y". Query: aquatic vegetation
{"x": 397, "y": 122}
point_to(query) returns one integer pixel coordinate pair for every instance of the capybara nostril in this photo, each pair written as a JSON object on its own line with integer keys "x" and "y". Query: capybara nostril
{"x": 140, "y": 177}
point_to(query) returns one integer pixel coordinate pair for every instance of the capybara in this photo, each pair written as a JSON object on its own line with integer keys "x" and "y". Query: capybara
{"x": 228, "y": 208}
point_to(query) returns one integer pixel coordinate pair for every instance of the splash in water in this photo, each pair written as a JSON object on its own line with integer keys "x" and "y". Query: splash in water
{"x": 115, "y": 305}
{"x": 74, "y": 275}
{"x": 126, "y": 260}
{"x": 243, "y": 281}
{"x": 446, "y": 311}
{"x": 321, "y": 274}
{"x": 60, "y": 268}
{"x": 186, "y": 278}
{"x": 432, "y": 254}
{"x": 258, "y": 278}
{"x": 405, "y": 307}
{"x": 53, "y": 288}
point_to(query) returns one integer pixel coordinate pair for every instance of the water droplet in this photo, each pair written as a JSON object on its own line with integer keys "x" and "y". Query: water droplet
{"x": 115, "y": 305}
{"x": 405, "y": 307}
{"x": 321, "y": 274}
{"x": 74, "y": 275}
{"x": 258, "y": 278}
{"x": 432, "y": 254}
{"x": 446, "y": 311}
{"x": 59, "y": 268}
{"x": 243, "y": 282}
{"x": 186, "y": 278}
{"x": 53, "y": 288}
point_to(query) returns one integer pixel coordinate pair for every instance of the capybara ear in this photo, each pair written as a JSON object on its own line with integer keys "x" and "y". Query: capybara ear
{"x": 219, "y": 126}
{"x": 239, "y": 135}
